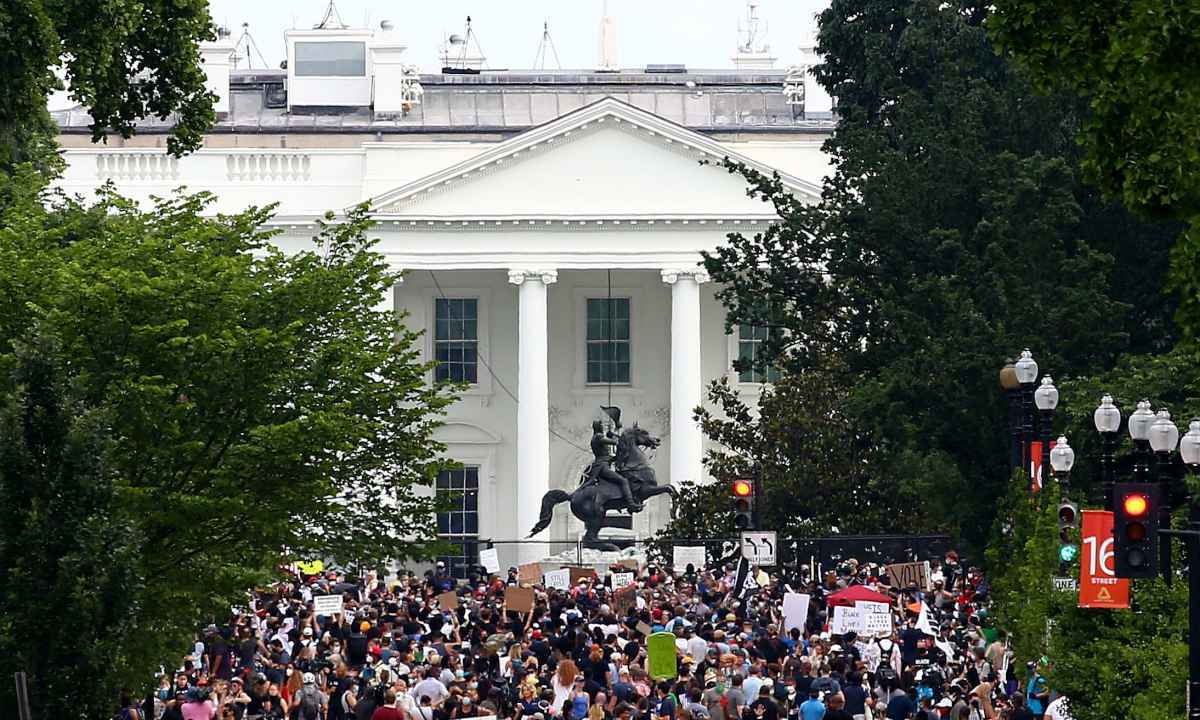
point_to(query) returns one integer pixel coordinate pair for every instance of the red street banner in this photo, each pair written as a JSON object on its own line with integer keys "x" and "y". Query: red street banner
{"x": 1035, "y": 465}
{"x": 1099, "y": 586}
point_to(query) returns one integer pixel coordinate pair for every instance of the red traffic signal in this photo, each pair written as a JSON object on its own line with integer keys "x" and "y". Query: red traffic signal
{"x": 1135, "y": 505}
{"x": 742, "y": 488}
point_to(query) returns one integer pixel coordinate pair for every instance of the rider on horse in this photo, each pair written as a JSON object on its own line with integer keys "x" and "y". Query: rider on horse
{"x": 601, "y": 468}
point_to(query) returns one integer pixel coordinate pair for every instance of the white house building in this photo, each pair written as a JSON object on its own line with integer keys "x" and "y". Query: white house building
{"x": 549, "y": 226}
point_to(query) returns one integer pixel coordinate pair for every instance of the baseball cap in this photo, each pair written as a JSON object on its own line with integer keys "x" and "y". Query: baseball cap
{"x": 309, "y": 678}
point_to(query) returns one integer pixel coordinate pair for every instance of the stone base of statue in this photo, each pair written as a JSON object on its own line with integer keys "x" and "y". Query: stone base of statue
{"x": 598, "y": 560}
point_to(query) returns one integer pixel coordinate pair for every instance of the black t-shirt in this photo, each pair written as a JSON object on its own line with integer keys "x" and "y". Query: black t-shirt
{"x": 803, "y": 684}
{"x": 839, "y": 715}
{"x": 356, "y": 648}
{"x": 769, "y": 710}
{"x": 856, "y": 699}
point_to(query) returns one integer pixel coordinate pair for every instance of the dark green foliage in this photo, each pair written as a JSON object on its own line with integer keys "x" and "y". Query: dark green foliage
{"x": 1135, "y": 63}
{"x": 955, "y": 231}
{"x": 255, "y": 408}
{"x": 123, "y": 59}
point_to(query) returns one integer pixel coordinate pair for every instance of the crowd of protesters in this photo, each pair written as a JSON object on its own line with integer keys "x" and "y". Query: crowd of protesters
{"x": 402, "y": 650}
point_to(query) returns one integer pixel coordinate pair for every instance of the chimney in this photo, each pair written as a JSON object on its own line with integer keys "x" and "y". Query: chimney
{"x": 216, "y": 57}
{"x": 396, "y": 87}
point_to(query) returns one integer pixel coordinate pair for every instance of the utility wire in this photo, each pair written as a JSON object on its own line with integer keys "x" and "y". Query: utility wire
{"x": 483, "y": 361}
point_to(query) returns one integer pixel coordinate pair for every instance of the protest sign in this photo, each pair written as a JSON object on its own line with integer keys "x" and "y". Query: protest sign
{"x": 630, "y": 563}
{"x": 660, "y": 650}
{"x": 876, "y": 618}
{"x": 327, "y": 604}
{"x": 624, "y": 600}
{"x": 845, "y": 619}
{"x": 904, "y": 575}
{"x": 558, "y": 579}
{"x": 518, "y": 599}
{"x": 580, "y": 573}
{"x": 644, "y": 628}
{"x": 682, "y": 556}
{"x": 448, "y": 600}
{"x": 490, "y": 560}
{"x": 795, "y": 610}
{"x": 529, "y": 573}
{"x": 620, "y": 580}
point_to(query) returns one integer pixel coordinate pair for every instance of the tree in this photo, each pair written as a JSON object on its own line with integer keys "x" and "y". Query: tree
{"x": 123, "y": 60}
{"x": 258, "y": 408}
{"x": 818, "y": 471}
{"x": 69, "y": 584}
{"x": 1109, "y": 663}
{"x": 955, "y": 231}
{"x": 1134, "y": 63}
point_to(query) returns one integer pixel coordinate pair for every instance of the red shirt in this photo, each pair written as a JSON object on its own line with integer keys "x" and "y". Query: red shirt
{"x": 387, "y": 713}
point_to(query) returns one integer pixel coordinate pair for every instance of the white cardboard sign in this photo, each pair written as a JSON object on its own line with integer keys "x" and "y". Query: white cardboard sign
{"x": 795, "y": 610}
{"x": 490, "y": 560}
{"x": 876, "y": 618}
{"x": 327, "y": 604}
{"x": 620, "y": 580}
{"x": 693, "y": 555}
{"x": 558, "y": 579}
{"x": 845, "y": 619}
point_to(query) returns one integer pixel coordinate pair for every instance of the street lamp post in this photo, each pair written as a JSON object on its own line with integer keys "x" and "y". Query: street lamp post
{"x": 1012, "y": 392}
{"x": 1164, "y": 437}
{"x": 1189, "y": 450}
{"x": 1139, "y": 429}
{"x": 1062, "y": 459}
{"x": 1107, "y": 419}
{"x": 1027, "y": 371}
{"x": 1046, "y": 399}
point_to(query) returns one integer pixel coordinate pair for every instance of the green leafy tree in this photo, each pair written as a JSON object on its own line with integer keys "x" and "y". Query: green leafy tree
{"x": 954, "y": 231}
{"x": 258, "y": 408}
{"x": 68, "y": 561}
{"x": 123, "y": 59}
{"x": 1134, "y": 63}
{"x": 817, "y": 469}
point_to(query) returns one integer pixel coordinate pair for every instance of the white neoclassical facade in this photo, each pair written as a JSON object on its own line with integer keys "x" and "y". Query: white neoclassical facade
{"x": 549, "y": 227}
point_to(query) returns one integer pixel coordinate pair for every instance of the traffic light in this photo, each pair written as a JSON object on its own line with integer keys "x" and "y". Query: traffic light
{"x": 1135, "y": 529}
{"x": 1068, "y": 525}
{"x": 743, "y": 504}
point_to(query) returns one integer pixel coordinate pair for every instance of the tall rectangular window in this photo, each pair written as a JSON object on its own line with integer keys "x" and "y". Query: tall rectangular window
{"x": 456, "y": 339}
{"x": 331, "y": 59}
{"x": 750, "y": 341}
{"x": 608, "y": 340}
{"x": 459, "y": 524}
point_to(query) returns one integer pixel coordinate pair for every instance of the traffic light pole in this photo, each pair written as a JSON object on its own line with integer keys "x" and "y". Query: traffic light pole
{"x": 1191, "y": 538}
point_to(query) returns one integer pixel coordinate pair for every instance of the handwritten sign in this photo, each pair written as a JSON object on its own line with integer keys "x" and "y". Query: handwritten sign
{"x": 327, "y": 604}
{"x": 448, "y": 600}
{"x": 490, "y": 560}
{"x": 621, "y": 580}
{"x": 876, "y": 618}
{"x": 581, "y": 573}
{"x": 529, "y": 573}
{"x": 558, "y": 579}
{"x": 624, "y": 600}
{"x": 845, "y": 619}
{"x": 683, "y": 555}
{"x": 904, "y": 575}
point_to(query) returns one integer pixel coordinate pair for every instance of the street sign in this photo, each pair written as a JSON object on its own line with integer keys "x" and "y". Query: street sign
{"x": 1064, "y": 584}
{"x": 1099, "y": 586}
{"x": 759, "y": 547}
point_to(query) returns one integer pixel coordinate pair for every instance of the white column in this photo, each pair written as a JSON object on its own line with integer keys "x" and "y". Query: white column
{"x": 533, "y": 404}
{"x": 687, "y": 447}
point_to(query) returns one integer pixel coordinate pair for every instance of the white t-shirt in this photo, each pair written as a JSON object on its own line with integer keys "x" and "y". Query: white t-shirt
{"x": 1057, "y": 710}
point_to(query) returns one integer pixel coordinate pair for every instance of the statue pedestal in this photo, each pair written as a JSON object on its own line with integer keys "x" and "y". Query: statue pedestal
{"x": 598, "y": 560}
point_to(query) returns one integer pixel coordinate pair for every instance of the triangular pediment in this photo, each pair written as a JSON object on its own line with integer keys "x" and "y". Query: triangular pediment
{"x": 609, "y": 159}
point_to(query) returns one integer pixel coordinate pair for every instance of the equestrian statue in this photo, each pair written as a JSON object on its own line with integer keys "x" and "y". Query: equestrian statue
{"x": 618, "y": 478}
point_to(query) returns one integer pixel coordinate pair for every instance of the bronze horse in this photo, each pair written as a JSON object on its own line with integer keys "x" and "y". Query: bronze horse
{"x": 590, "y": 501}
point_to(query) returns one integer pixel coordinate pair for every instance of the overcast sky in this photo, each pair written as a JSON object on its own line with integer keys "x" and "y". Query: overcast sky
{"x": 697, "y": 33}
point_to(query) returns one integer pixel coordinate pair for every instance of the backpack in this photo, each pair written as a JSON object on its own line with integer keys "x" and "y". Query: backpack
{"x": 310, "y": 703}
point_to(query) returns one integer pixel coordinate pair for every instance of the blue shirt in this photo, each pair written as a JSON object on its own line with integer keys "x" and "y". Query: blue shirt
{"x": 812, "y": 709}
